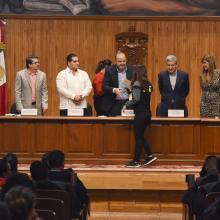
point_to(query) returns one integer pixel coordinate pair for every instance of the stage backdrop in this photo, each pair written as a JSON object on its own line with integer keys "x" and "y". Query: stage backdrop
{"x": 112, "y": 7}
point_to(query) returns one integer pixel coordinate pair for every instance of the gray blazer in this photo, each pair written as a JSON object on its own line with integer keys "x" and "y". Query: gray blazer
{"x": 23, "y": 92}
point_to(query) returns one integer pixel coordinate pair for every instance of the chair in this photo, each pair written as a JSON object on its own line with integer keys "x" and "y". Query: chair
{"x": 190, "y": 179}
{"x": 46, "y": 214}
{"x": 55, "y": 205}
{"x": 13, "y": 109}
{"x": 57, "y": 194}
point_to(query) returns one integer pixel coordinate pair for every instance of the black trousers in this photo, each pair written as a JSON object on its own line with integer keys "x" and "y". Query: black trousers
{"x": 98, "y": 104}
{"x": 141, "y": 121}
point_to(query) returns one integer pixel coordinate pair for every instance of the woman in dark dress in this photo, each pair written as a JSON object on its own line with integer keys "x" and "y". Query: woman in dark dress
{"x": 210, "y": 84}
{"x": 140, "y": 102}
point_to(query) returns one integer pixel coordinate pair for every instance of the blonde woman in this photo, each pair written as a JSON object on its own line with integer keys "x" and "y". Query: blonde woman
{"x": 210, "y": 85}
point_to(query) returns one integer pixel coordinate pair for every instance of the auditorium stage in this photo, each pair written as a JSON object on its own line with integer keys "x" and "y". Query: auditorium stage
{"x": 119, "y": 193}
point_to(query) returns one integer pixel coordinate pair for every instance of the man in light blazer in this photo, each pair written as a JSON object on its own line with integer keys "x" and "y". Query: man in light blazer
{"x": 174, "y": 88}
{"x": 31, "y": 87}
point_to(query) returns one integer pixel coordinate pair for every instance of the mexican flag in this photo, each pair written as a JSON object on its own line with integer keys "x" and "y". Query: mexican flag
{"x": 3, "y": 86}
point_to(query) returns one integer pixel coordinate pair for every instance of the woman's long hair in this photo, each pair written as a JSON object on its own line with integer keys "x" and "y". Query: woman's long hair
{"x": 102, "y": 64}
{"x": 139, "y": 74}
{"x": 212, "y": 66}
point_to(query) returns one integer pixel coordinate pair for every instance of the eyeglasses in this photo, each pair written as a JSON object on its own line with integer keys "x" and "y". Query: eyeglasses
{"x": 36, "y": 62}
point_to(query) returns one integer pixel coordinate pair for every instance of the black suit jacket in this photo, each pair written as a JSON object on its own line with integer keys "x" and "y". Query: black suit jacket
{"x": 173, "y": 99}
{"x": 110, "y": 82}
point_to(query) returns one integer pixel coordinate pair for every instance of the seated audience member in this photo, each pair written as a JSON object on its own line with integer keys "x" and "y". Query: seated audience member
{"x": 17, "y": 179}
{"x": 4, "y": 212}
{"x": 212, "y": 212}
{"x": 97, "y": 84}
{"x": 115, "y": 88}
{"x": 59, "y": 175}
{"x": 174, "y": 88}
{"x": 195, "y": 196}
{"x": 21, "y": 202}
{"x": 13, "y": 162}
{"x": 45, "y": 159}
{"x": 39, "y": 174}
{"x": 4, "y": 171}
{"x": 209, "y": 172}
{"x": 213, "y": 186}
{"x": 73, "y": 85}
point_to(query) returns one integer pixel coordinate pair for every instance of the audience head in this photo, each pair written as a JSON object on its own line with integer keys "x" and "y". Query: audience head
{"x": 17, "y": 179}
{"x": 21, "y": 203}
{"x": 4, "y": 168}
{"x": 209, "y": 164}
{"x": 102, "y": 65}
{"x": 171, "y": 61}
{"x": 208, "y": 64}
{"x": 4, "y": 212}
{"x": 38, "y": 171}
{"x": 32, "y": 62}
{"x": 13, "y": 162}
{"x": 121, "y": 61}
{"x": 72, "y": 61}
{"x": 45, "y": 159}
{"x": 56, "y": 159}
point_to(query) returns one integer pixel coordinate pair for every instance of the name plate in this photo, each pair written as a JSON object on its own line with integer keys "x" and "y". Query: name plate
{"x": 176, "y": 113}
{"x": 127, "y": 113}
{"x": 29, "y": 111}
{"x": 75, "y": 112}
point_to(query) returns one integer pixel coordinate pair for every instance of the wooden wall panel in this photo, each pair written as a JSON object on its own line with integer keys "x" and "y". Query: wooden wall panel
{"x": 210, "y": 140}
{"x": 94, "y": 39}
{"x": 108, "y": 140}
{"x": 79, "y": 138}
{"x": 117, "y": 140}
{"x": 47, "y": 136}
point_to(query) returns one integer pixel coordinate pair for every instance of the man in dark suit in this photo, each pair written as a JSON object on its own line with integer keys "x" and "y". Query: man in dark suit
{"x": 115, "y": 86}
{"x": 174, "y": 87}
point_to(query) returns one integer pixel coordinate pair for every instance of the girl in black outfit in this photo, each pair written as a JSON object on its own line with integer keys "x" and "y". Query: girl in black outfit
{"x": 141, "y": 93}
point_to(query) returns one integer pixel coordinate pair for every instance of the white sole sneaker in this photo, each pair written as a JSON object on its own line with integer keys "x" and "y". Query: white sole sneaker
{"x": 150, "y": 161}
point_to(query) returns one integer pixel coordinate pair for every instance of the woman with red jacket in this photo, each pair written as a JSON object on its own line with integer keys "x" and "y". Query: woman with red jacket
{"x": 97, "y": 84}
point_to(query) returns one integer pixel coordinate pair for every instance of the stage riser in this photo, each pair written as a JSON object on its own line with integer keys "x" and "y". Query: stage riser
{"x": 135, "y": 205}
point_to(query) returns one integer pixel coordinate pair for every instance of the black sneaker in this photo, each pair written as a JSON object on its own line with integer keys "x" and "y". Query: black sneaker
{"x": 133, "y": 164}
{"x": 150, "y": 159}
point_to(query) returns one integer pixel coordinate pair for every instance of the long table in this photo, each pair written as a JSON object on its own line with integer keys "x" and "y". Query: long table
{"x": 107, "y": 140}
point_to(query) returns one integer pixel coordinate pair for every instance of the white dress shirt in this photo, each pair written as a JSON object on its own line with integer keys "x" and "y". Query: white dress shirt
{"x": 70, "y": 84}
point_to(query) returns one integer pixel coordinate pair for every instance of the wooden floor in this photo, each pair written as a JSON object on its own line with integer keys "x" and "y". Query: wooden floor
{"x": 136, "y": 194}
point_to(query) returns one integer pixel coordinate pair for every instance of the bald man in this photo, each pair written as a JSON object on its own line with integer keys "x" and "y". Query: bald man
{"x": 115, "y": 91}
